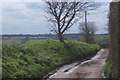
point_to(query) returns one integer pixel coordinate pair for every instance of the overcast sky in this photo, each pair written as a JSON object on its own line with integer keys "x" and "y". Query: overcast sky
{"x": 29, "y": 18}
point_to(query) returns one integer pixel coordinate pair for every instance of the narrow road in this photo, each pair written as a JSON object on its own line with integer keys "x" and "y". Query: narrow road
{"x": 92, "y": 68}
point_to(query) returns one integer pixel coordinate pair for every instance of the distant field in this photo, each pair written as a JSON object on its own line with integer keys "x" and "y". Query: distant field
{"x": 102, "y": 40}
{"x": 13, "y": 40}
{"x": 33, "y": 41}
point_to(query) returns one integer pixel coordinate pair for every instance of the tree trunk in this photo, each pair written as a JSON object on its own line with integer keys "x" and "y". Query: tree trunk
{"x": 89, "y": 38}
{"x": 114, "y": 49}
{"x": 60, "y": 37}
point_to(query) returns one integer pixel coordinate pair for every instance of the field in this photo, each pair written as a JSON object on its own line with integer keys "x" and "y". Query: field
{"x": 100, "y": 39}
{"x": 20, "y": 39}
{"x": 35, "y": 59}
{"x": 33, "y": 41}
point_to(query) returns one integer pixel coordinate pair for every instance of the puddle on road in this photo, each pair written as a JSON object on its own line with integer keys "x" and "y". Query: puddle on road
{"x": 66, "y": 69}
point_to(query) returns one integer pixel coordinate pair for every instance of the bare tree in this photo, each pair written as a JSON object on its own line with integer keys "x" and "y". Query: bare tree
{"x": 88, "y": 31}
{"x": 63, "y": 15}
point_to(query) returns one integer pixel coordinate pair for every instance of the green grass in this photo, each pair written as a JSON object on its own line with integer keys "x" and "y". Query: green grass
{"x": 33, "y": 41}
{"x": 34, "y": 60}
{"x": 107, "y": 69}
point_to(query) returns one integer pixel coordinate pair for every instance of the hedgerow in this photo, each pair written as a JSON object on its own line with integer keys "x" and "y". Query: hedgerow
{"x": 34, "y": 60}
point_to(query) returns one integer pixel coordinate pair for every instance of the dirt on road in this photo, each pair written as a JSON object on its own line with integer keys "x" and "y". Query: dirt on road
{"x": 92, "y": 68}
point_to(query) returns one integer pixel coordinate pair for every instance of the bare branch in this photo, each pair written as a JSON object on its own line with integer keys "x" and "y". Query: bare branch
{"x": 64, "y": 15}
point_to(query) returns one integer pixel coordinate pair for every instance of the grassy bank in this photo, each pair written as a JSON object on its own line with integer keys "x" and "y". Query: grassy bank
{"x": 107, "y": 69}
{"x": 34, "y": 60}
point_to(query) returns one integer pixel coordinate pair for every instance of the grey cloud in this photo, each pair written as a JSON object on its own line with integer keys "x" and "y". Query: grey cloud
{"x": 29, "y": 18}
